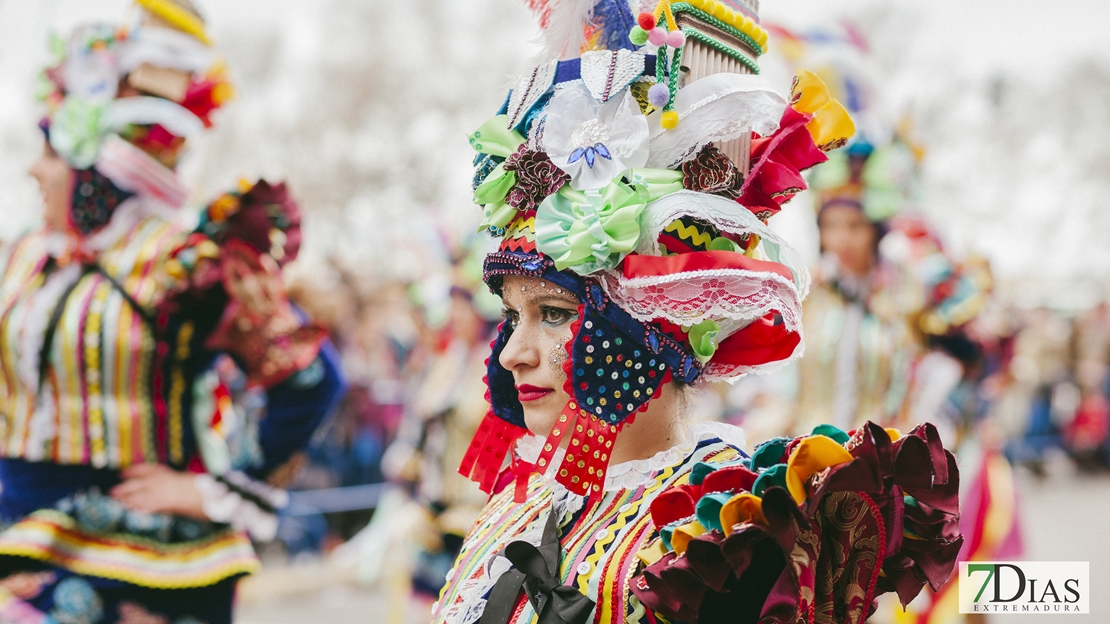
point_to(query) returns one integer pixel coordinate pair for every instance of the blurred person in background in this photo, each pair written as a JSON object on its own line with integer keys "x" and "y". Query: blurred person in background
{"x": 124, "y": 495}
{"x": 954, "y": 383}
{"x": 1042, "y": 365}
{"x": 1087, "y": 435}
{"x": 373, "y": 327}
{"x": 860, "y": 342}
{"x": 446, "y": 401}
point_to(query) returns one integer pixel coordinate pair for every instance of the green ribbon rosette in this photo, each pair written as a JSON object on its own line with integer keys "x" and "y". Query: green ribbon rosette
{"x": 656, "y": 183}
{"x": 495, "y": 139}
{"x": 590, "y": 231}
{"x": 703, "y": 339}
{"x": 76, "y": 132}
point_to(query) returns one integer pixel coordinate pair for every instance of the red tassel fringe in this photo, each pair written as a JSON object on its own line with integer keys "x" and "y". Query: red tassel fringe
{"x": 486, "y": 454}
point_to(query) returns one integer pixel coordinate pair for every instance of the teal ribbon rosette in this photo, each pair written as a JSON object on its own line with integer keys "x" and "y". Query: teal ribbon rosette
{"x": 590, "y": 231}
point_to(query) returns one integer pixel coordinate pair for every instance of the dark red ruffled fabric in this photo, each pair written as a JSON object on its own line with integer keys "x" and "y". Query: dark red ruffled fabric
{"x": 886, "y": 521}
{"x": 776, "y": 165}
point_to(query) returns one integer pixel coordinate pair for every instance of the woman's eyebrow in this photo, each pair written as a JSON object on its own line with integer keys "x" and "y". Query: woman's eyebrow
{"x": 563, "y": 299}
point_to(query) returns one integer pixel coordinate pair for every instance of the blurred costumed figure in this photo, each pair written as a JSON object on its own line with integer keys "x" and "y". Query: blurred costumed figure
{"x": 445, "y": 405}
{"x": 951, "y": 383}
{"x": 1087, "y": 436}
{"x": 860, "y": 343}
{"x": 123, "y": 496}
{"x": 630, "y": 185}
{"x": 892, "y": 323}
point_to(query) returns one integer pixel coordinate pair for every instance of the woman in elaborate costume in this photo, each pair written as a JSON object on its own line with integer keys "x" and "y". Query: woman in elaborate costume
{"x": 121, "y": 496}
{"x": 630, "y": 186}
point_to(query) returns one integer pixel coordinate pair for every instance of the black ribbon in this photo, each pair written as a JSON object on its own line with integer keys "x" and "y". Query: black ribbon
{"x": 537, "y": 571}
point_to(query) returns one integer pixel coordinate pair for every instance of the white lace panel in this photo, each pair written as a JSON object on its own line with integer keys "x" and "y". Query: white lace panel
{"x": 732, "y": 297}
{"x": 714, "y": 109}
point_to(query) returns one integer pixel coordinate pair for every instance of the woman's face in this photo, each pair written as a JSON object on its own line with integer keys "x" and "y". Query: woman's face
{"x": 541, "y": 314}
{"x": 848, "y": 234}
{"x": 54, "y": 177}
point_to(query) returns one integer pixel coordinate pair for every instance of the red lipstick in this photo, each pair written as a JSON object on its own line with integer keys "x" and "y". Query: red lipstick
{"x": 527, "y": 392}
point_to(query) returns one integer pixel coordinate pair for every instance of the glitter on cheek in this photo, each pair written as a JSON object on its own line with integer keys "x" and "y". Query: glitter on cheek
{"x": 559, "y": 354}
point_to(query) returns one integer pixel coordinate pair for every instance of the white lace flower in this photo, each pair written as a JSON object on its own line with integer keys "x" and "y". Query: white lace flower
{"x": 594, "y": 142}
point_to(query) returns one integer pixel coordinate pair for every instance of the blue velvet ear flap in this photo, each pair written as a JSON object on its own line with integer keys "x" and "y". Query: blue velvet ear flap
{"x": 95, "y": 198}
{"x": 614, "y": 376}
{"x": 502, "y": 389}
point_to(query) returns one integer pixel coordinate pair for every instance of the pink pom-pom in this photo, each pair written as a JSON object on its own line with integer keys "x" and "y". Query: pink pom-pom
{"x": 646, "y": 21}
{"x": 657, "y": 36}
{"x": 676, "y": 38}
{"x": 659, "y": 95}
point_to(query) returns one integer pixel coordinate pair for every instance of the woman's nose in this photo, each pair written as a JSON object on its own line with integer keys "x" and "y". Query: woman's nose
{"x": 520, "y": 351}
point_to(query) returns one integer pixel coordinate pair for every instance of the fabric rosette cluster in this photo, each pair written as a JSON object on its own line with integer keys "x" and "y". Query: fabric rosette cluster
{"x": 809, "y": 529}
{"x": 661, "y": 236}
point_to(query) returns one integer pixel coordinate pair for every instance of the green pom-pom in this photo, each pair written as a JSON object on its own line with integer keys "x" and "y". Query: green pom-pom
{"x": 638, "y": 36}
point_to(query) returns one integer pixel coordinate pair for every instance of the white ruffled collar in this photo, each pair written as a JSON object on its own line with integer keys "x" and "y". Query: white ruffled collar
{"x": 632, "y": 474}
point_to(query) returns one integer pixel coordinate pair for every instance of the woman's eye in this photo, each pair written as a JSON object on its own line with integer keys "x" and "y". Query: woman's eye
{"x": 512, "y": 317}
{"x": 556, "y": 316}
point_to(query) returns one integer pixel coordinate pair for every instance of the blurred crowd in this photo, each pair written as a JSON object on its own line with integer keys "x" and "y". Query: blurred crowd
{"x": 1032, "y": 383}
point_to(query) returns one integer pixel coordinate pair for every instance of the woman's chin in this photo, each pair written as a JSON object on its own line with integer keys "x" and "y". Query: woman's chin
{"x": 540, "y": 415}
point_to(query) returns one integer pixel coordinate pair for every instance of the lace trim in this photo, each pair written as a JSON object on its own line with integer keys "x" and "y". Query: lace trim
{"x": 732, "y": 297}
{"x": 715, "y": 109}
{"x": 715, "y": 371}
{"x": 633, "y": 474}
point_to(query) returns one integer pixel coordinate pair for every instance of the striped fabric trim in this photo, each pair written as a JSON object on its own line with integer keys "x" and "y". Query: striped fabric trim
{"x": 52, "y": 537}
{"x": 99, "y": 381}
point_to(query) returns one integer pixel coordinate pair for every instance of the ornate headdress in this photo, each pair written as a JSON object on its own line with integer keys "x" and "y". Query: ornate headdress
{"x": 639, "y": 175}
{"x": 122, "y": 102}
{"x": 879, "y": 181}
